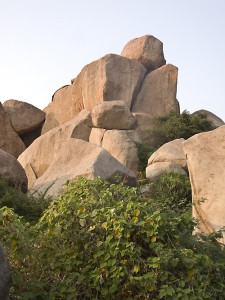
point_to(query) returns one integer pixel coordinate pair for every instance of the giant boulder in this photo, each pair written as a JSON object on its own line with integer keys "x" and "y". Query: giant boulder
{"x": 156, "y": 98}
{"x": 146, "y": 49}
{"x": 79, "y": 158}
{"x": 122, "y": 144}
{"x": 109, "y": 78}
{"x": 113, "y": 115}
{"x": 23, "y": 116}
{"x": 206, "y": 164}
{"x": 9, "y": 139}
{"x": 40, "y": 154}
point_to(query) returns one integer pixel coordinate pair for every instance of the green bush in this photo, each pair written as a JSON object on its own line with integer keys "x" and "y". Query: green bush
{"x": 104, "y": 241}
{"x": 172, "y": 191}
{"x": 144, "y": 152}
{"x": 175, "y": 126}
{"x": 29, "y": 205}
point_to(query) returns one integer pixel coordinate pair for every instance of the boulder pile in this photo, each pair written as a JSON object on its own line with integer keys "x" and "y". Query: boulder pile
{"x": 93, "y": 126}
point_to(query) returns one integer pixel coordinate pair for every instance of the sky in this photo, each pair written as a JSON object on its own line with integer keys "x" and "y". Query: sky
{"x": 45, "y": 43}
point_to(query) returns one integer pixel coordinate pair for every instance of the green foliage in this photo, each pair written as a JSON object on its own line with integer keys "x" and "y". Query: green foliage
{"x": 29, "y": 205}
{"x": 144, "y": 152}
{"x": 175, "y": 126}
{"x": 172, "y": 191}
{"x": 104, "y": 241}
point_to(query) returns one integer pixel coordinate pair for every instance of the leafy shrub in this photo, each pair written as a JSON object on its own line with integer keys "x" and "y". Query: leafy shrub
{"x": 175, "y": 126}
{"x": 144, "y": 152}
{"x": 29, "y": 205}
{"x": 105, "y": 241}
{"x": 172, "y": 191}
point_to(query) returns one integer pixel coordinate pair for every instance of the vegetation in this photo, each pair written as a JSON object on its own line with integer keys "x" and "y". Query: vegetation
{"x": 175, "y": 126}
{"x": 29, "y": 205}
{"x": 144, "y": 152}
{"x": 105, "y": 241}
{"x": 172, "y": 191}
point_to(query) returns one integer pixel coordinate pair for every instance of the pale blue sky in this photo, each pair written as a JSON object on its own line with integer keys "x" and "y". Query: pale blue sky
{"x": 45, "y": 43}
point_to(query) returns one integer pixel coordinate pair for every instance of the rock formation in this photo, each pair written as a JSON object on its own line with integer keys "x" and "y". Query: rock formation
{"x": 206, "y": 165}
{"x": 106, "y": 110}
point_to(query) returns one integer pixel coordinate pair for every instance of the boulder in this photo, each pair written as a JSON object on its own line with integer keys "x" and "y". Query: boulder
{"x": 9, "y": 139}
{"x": 40, "y": 154}
{"x": 77, "y": 88}
{"x": 206, "y": 164}
{"x": 170, "y": 152}
{"x": 113, "y": 115}
{"x": 146, "y": 49}
{"x": 109, "y": 78}
{"x": 161, "y": 168}
{"x": 96, "y": 136}
{"x": 23, "y": 116}
{"x": 5, "y": 279}
{"x": 12, "y": 170}
{"x": 122, "y": 144}
{"x": 156, "y": 98}
{"x": 216, "y": 121}
{"x": 79, "y": 158}
{"x": 62, "y": 108}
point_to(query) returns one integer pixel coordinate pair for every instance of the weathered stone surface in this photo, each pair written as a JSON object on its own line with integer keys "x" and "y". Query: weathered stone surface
{"x": 77, "y": 88}
{"x": 96, "y": 136}
{"x": 161, "y": 168}
{"x": 9, "y": 139}
{"x": 109, "y": 78}
{"x": 156, "y": 98}
{"x": 5, "y": 279}
{"x": 62, "y": 108}
{"x": 23, "y": 116}
{"x": 170, "y": 152}
{"x": 11, "y": 169}
{"x": 30, "y": 174}
{"x": 146, "y": 49}
{"x": 206, "y": 164}
{"x": 43, "y": 150}
{"x": 79, "y": 158}
{"x": 216, "y": 121}
{"x": 113, "y": 115}
{"x": 122, "y": 145}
